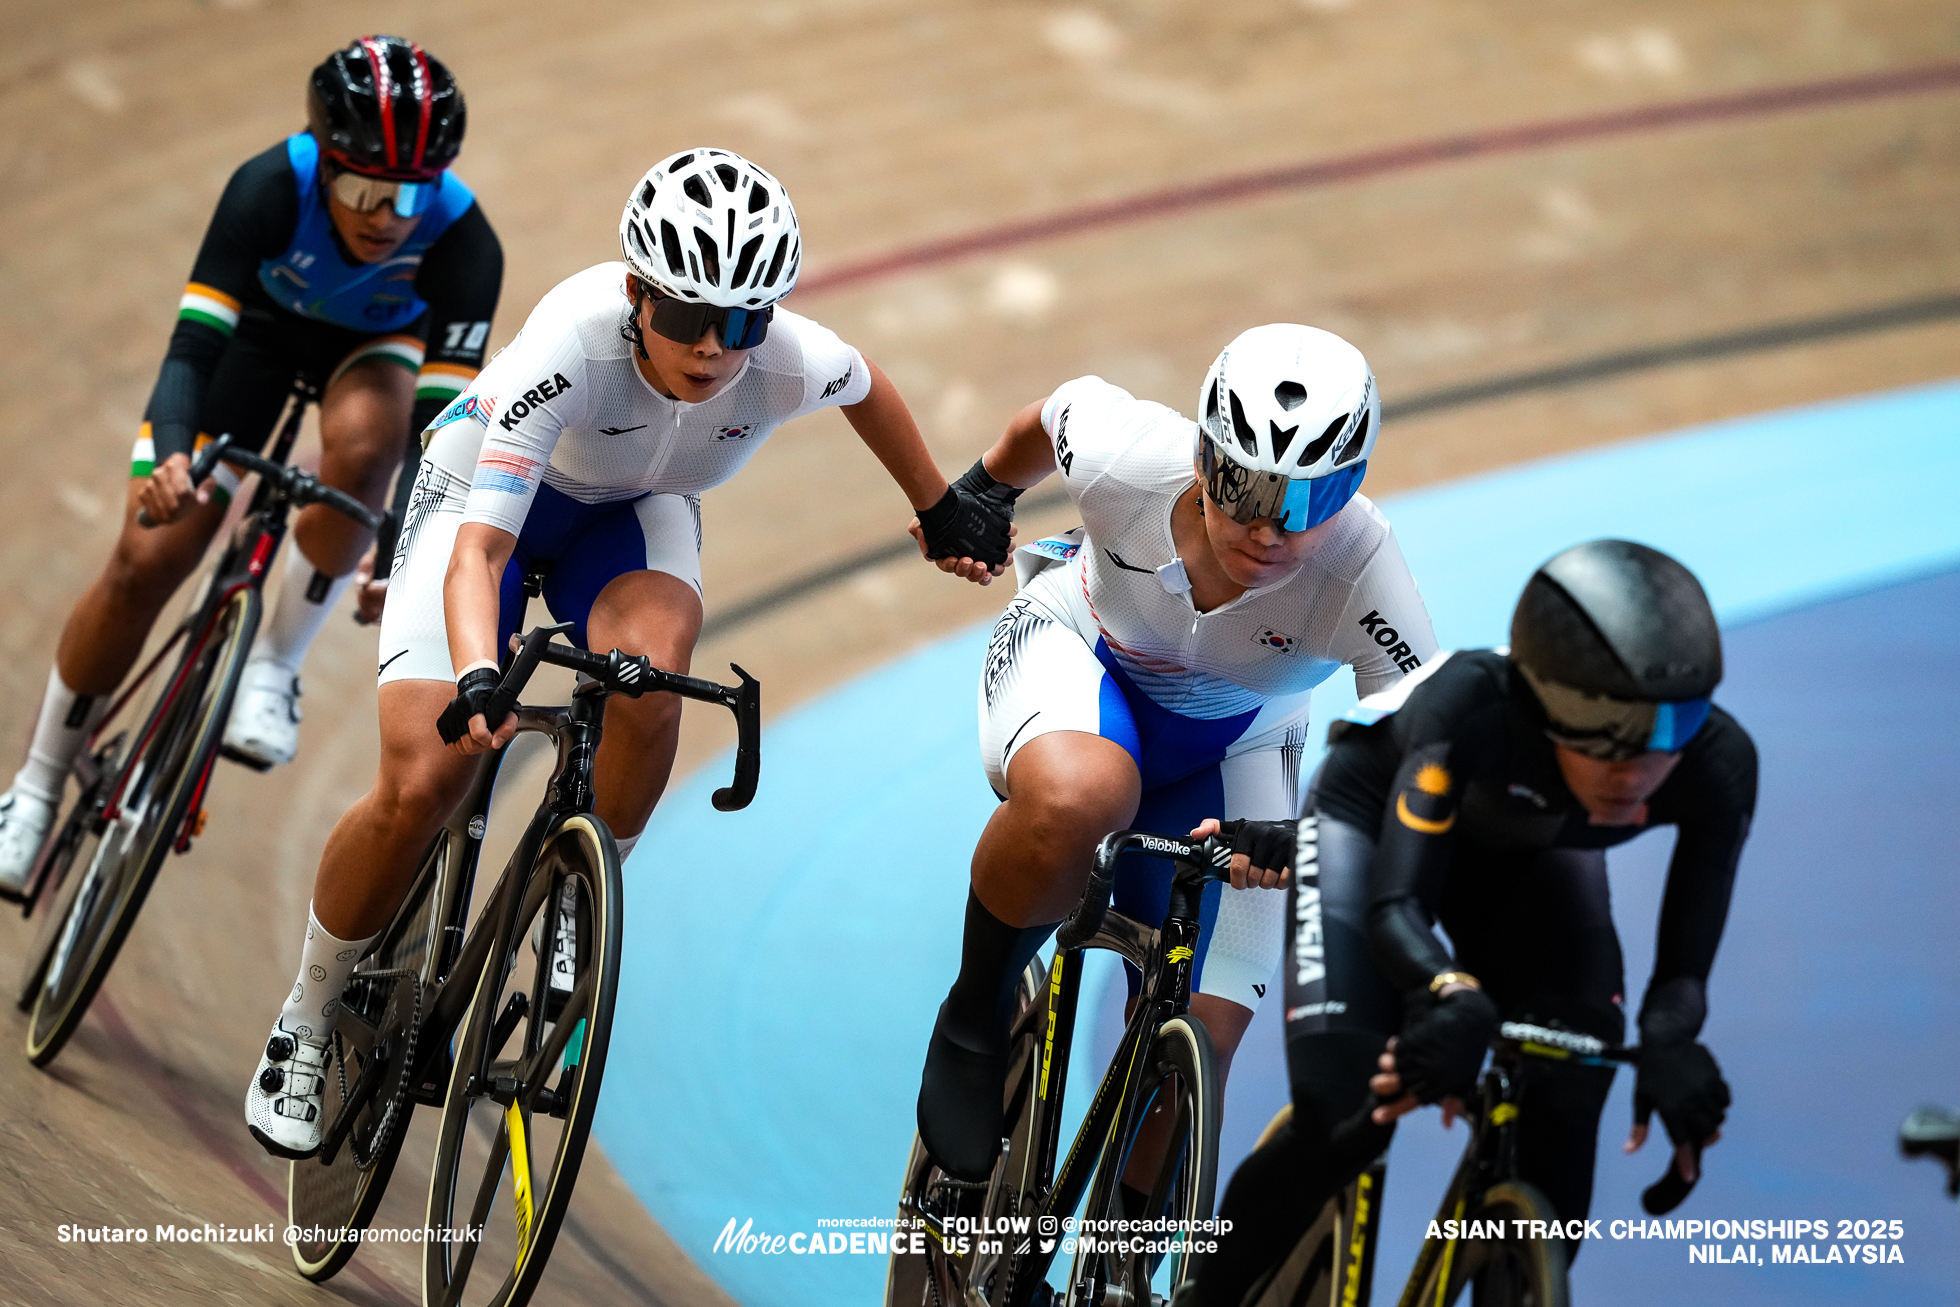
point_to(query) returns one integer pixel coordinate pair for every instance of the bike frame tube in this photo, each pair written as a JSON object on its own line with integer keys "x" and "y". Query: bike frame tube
{"x": 577, "y": 732}
{"x": 1164, "y": 993}
{"x": 1472, "y": 1176}
{"x": 1064, "y": 988}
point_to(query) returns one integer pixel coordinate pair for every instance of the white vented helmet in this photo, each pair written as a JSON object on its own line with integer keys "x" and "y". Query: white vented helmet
{"x": 709, "y": 226}
{"x": 1287, "y": 418}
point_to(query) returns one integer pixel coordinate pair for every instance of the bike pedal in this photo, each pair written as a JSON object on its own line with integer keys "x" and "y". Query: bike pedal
{"x": 230, "y": 754}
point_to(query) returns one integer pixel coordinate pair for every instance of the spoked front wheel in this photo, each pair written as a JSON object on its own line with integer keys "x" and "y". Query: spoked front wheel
{"x": 529, "y": 1061}
{"x": 1510, "y": 1271}
{"x": 117, "y": 856}
{"x": 1119, "y": 1255}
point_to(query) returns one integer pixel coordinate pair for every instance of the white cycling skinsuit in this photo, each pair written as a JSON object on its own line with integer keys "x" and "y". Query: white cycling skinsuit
{"x": 1103, "y": 638}
{"x": 563, "y": 443}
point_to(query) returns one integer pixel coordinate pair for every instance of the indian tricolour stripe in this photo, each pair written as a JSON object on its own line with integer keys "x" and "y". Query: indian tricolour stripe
{"x": 209, "y": 305}
{"x": 405, "y": 350}
{"x": 143, "y": 454}
{"x": 443, "y": 381}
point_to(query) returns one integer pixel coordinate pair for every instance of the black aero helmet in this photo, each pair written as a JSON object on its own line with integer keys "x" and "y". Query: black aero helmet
{"x": 1618, "y": 619}
{"x": 384, "y": 107}
{"x": 1620, "y": 646}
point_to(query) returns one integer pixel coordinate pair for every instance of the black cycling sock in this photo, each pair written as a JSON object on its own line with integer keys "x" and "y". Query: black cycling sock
{"x": 966, "y": 1060}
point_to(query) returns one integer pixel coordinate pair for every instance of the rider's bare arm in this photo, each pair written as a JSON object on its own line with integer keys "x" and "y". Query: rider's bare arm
{"x": 1024, "y": 455}
{"x": 470, "y": 593}
{"x": 885, "y": 425}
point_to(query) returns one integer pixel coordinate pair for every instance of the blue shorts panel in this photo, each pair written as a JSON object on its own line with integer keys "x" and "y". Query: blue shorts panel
{"x": 1177, "y": 758}
{"x": 1167, "y": 746}
{"x": 1143, "y": 883}
{"x": 580, "y": 548}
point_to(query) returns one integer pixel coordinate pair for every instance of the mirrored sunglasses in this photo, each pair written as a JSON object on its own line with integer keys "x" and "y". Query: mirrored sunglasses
{"x": 366, "y": 194}
{"x": 686, "y": 321}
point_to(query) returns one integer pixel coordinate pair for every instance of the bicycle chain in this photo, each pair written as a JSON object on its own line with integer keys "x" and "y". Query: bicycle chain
{"x": 395, "y": 1100}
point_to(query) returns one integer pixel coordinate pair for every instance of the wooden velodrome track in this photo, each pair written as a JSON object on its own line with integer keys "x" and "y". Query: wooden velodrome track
{"x": 1507, "y": 191}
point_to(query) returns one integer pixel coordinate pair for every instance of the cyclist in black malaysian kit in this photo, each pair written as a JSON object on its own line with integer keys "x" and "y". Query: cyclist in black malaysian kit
{"x": 1481, "y": 794}
{"x": 349, "y": 255}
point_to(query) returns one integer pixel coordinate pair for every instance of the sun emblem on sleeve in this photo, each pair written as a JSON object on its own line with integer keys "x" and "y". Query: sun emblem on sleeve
{"x": 1433, "y": 779}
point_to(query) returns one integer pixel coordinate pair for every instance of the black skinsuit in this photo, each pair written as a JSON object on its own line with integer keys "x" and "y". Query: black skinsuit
{"x": 1451, "y": 810}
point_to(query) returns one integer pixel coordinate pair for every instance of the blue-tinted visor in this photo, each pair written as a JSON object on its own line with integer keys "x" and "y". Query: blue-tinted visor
{"x": 1676, "y": 723}
{"x": 1296, "y": 504}
{"x": 1309, "y": 503}
{"x": 1615, "y": 729}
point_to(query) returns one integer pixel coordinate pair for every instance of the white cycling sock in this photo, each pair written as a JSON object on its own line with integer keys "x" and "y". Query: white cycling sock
{"x": 289, "y": 632}
{"x": 65, "y": 721}
{"x": 325, "y": 962}
{"x": 625, "y": 845}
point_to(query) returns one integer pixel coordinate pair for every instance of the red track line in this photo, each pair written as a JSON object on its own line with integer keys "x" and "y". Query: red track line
{"x": 1395, "y": 158}
{"x": 218, "y": 1146}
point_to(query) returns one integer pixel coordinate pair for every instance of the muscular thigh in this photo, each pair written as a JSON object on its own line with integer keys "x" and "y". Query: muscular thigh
{"x": 1040, "y": 679}
{"x": 419, "y": 778}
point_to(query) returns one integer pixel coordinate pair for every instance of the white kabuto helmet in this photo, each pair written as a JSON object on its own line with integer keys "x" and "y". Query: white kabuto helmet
{"x": 1287, "y": 418}
{"x": 710, "y": 227}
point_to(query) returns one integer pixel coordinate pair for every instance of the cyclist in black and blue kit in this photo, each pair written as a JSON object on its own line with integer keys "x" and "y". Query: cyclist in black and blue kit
{"x": 346, "y": 256}
{"x": 1481, "y": 794}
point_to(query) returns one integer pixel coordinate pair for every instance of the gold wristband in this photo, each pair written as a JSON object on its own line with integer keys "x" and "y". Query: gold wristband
{"x": 1454, "y": 978}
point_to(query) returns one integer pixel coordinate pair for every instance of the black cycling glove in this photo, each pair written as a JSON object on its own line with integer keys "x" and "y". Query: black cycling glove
{"x": 1683, "y": 1084}
{"x": 1270, "y": 845}
{"x": 1441, "y": 1047}
{"x": 972, "y": 519}
{"x": 473, "y": 691}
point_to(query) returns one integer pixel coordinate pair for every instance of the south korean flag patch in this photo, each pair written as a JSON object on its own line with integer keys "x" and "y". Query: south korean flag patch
{"x": 1271, "y": 639}
{"x": 733, "y": 433}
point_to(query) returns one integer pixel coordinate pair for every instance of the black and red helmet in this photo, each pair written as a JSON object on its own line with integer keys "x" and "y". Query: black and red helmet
{"x": 384, "y": 107}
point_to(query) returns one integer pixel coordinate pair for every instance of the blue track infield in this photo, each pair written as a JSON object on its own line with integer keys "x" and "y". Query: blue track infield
{"x": 774, "y": 1010}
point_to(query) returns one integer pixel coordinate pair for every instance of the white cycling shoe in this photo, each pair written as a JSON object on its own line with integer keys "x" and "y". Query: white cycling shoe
{"x": 285, "y": 1104}
{"x": 264, "y": 724}
{"x": 24, "y": 822}
{"x": 564, "y": 944}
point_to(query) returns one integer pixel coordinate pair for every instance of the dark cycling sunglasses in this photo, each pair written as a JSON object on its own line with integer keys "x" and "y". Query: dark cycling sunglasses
{"x": 686, "y": 321}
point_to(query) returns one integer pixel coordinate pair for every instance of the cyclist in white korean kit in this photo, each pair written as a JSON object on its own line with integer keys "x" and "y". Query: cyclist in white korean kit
{"x": 581, "y": 452}
{"x": 1155, "y": 669}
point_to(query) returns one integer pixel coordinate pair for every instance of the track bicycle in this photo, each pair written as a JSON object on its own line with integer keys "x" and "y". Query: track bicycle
{"x": 1332, "y": 1265}
{"x": 511, "y": 1048}
{"x": 144, "y": 774}
{"x": 1158, "y": 1106}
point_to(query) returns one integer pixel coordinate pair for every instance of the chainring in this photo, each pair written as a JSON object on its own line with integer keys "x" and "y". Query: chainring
{"x": 400, "y": 1023}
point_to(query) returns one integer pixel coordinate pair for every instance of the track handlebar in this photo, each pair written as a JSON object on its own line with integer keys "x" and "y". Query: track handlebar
{"x": 1207, "y": 859}
{"x": 634, "y": 675}
{"x": 290, "y": 483}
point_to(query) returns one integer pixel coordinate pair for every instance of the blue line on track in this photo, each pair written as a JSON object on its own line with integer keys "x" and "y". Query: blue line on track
{"x": 785, "y": 962}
